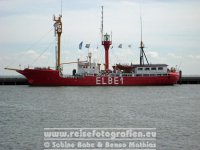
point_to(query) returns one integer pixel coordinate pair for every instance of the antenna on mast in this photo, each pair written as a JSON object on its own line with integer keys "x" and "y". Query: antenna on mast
{"x": 101, "y": 22}
{"x": 142, "y": 53}
{"x": 61, "y": 8}
{"x": 141, "y": 25}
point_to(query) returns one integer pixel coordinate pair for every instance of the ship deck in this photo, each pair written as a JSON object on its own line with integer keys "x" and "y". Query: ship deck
{"x": 18, "y": 80}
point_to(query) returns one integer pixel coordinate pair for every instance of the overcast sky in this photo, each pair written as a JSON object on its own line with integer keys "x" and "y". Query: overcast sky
{"x": 171, "y": 32}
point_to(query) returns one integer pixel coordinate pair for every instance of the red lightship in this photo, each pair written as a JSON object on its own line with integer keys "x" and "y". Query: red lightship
{"x": 89, "y": 73}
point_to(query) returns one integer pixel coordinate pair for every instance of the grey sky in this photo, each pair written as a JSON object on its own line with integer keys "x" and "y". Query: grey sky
{"x": 171, "y": 31}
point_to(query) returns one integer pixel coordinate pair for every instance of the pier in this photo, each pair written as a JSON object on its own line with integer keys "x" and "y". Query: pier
{"x": 13, "y": 80}
{"x": 19, "y": 80}
{"x": 189, "y": 80}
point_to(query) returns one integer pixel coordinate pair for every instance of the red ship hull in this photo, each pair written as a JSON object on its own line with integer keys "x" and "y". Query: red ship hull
{"x": 48, "y": 77}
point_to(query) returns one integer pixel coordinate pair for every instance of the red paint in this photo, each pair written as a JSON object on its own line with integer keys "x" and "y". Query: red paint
{"x": 48, "y": 77}
{"x": 106, "y": 45}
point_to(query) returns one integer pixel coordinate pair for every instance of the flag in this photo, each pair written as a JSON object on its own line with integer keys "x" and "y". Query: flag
{"x": 87, "y": 46}
{"x": 129, "y": 46}
{"x": 120, "y": 46}
{"x": 80, "y": 45}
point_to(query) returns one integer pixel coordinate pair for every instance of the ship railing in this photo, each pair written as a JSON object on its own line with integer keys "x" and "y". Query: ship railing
{"x": 127, "y": 74}
{"x": 77, "y": 75}
{"x": 91, "y": 74}
{"x": 71, "y": 76}
{"x": 115, "y": 75}
{"x": 122, "y": 74}
{"x": 41, "y": 68}
{"x": 152, "y": 75}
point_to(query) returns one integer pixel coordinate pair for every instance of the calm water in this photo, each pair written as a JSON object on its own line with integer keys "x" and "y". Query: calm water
{"x": 174, "y": 110}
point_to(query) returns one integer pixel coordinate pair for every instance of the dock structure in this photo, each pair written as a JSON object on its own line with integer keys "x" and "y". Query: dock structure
{"x": 13, "y": 80}
{"x": 19, "y": 80}
{"x": 189, "y": 80}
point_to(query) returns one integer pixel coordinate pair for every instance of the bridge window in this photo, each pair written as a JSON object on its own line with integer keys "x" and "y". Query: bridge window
{"x": 140, "y": 69}
{"x": 160, "y": 68}
{"x": 153, "y": 68}
{"x": 147, "y": 69}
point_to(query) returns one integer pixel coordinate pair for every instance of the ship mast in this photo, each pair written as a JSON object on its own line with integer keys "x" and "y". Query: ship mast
{"x": 142, "y": 53}
{"x": 101, "y": 23}
{"x": 58, "y": 32}
{"x": 106, "y": 40}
